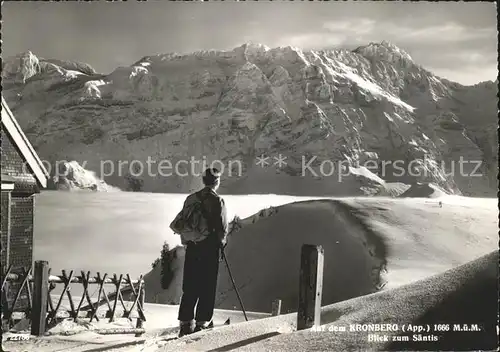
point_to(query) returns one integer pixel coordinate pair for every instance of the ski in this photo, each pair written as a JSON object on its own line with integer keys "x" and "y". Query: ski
{"x": 167, "y": 335}
{"x": 210, "y": 326}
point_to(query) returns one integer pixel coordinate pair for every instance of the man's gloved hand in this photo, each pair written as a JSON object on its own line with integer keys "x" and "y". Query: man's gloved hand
{"x": 223, "y": 242}
{"x": 223, "y": 245}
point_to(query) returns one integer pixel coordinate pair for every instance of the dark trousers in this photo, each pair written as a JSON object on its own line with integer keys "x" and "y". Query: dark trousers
{"x": 199, "y": 285}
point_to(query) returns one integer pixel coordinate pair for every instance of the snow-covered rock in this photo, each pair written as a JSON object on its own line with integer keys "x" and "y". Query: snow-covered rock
{"x": 71, "y": 176}
{"x": 334, "y": 110}
{"x": 423, "y": 191}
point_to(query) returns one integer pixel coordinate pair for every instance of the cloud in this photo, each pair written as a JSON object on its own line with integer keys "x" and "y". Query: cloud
{"x": 467, "y": 75}
{"x": 463, "y": 58}
{"x": 457, "y": 51}
{"x": 446, "y": 32}
{"x": 330, "y": 34}
{"x": 311, "y": 40}
{"x": 355, "y": 26}
{"x": 360, "y": 31}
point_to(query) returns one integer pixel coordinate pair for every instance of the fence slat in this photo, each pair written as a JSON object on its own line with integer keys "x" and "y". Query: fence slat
{"x": 310, "y": 286}
{"x": 68, "y": 293}
{"x": 140, "y": 305}
{"x": 30, "y": 297}
{"x": 85, "y": 286}
{"x": 66, "y": 286}
{"x": 93, "y": 311}
{"x": 117, "y": 284}
{"x": 6, "y": 276}
{"x": 8, "y": 315}
{"x": 122, "y": 301}
{"x": 106, "y": 294}
{"x": 101, "y": 285}
{"x": 137, "y": 293}
{"x": 127, "y": 313}
{"x": 101, "y": 289}
{"x": 40, "y": 295}
{"x": 50, "y": 288}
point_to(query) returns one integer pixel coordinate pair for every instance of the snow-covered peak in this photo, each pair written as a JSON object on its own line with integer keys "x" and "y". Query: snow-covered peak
{"x": 71, "y": 176}
{"x": 72, "y": 66}
{"x": 21, "y": 67}
{"x": 255, "y": 52}
{"x": 386, "y": 51}
{"x": 251, "y": 47}
{"x": 24, "y": 66}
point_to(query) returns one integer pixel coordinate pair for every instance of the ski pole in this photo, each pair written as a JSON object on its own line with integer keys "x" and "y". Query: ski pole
{"x": 234, "y": 285}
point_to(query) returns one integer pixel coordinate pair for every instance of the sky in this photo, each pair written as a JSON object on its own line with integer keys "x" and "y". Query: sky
{"x": 457, "y": 41}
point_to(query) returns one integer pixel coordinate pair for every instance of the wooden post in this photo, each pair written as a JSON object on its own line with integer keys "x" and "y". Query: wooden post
{"x": 310, "y": 287}
{"x": 140, "y": 306}
{"x": 276, "y": 307}
{"x": 40, "y": 296}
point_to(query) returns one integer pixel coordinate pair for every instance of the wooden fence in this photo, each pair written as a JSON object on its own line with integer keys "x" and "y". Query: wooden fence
{"x": 44, "y": 313}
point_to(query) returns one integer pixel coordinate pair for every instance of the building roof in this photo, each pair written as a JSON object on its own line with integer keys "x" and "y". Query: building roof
{"x": 28, "y": 153}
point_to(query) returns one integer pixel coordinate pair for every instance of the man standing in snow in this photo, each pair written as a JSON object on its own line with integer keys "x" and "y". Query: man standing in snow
{"x": 203, "y": 252}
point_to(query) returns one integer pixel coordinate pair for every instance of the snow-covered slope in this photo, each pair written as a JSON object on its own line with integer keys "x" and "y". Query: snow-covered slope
{"x": 371, "y": 105}
{"x": 369, "y": 243}
{"x": 446, "y": 299}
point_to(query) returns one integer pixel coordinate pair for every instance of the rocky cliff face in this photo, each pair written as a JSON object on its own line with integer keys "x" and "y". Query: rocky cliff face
{"x": 372, "y": 114}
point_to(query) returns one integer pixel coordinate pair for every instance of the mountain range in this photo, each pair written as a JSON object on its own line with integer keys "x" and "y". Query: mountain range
{"x": 277, "y": 120}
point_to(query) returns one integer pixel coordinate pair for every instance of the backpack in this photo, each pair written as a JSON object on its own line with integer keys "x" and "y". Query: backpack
{"x": 191, "y": 223}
